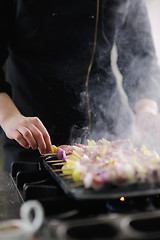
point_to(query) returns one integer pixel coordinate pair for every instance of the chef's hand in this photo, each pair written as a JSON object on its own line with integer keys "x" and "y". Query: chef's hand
{"x": 27, "y": 131}
{"x": 147, "y": 124}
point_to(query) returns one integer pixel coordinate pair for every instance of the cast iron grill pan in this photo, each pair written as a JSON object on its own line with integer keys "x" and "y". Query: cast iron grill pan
{"x": 109, "y": 191}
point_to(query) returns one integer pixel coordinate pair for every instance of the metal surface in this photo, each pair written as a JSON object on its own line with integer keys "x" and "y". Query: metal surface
{"x": 107, "y": 192}
{"x": 138, "y": 226}
{"x": 10, "y": 198}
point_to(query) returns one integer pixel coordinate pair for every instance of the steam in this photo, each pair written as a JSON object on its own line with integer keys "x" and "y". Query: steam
{"x": 135, "y": 69}
{"x": 153, "y": 12}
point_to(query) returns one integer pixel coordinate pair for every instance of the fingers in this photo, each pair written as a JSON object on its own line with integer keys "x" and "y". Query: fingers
{"x": 45, "y": 135}
{"x": 28, "y": 132}
{"x": 36, "y": 139}
{"x": 31, "y": 138}
{"x": 28, "y": 136}
{"x": 20, "y": 139}
{"x": 34, "y": 133}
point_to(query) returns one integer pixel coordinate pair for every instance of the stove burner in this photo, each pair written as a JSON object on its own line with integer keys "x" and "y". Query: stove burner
{"x": 132, "y": 204}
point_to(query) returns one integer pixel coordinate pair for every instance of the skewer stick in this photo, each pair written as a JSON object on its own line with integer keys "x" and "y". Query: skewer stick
{"x": 67, "y": 177}
{"x": 49, "y": 154}
{"x": 59, "y": 164}
{"x": 64, "y": 174}
{"x": 55, "y": 161}
{"x": 76, "y": 184}
{"x": 57, "y": 170}
{"x": 64, "y": 171}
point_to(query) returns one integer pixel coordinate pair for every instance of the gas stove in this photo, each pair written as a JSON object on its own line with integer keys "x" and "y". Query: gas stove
{"x": 71, "y": 219}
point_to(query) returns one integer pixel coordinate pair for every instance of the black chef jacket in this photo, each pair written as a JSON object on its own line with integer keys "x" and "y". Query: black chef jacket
{"x": 49, "y": 46}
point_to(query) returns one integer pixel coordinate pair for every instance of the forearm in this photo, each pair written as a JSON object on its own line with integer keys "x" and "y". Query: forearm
{"x": 136, "y": 58}
{"x": 7, "y": 108}
{"x": 147, "y": 124}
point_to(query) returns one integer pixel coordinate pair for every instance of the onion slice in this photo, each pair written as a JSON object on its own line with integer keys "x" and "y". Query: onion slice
{"x": 61, "y": 154}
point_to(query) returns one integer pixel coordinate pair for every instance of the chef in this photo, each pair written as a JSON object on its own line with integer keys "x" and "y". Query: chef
{"x": 58, "y": 83}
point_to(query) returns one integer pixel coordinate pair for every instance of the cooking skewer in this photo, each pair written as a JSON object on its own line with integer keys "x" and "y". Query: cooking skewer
{"x": 67, "y": 177}
{"x": 60, "y": 170}
{"x": 49, "y": 154}
{"x": 76, "y": 184}
{"x": 59, "y": 164}
{"x": 57, "y": 170}
{"x": 64, "y": 174}
{"x": 55, "y": 161}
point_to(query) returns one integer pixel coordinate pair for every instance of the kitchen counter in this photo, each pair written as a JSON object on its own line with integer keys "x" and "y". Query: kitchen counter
{"x": 10, "y": 199}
